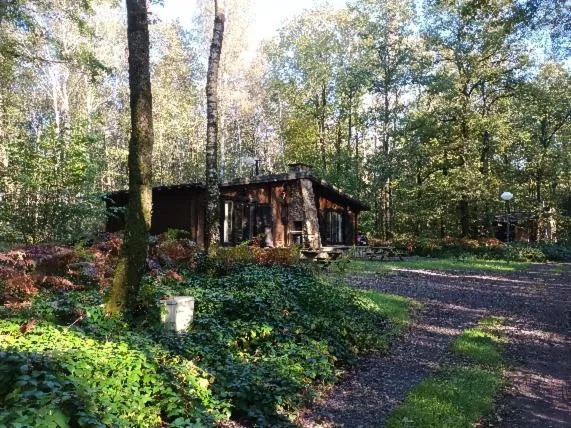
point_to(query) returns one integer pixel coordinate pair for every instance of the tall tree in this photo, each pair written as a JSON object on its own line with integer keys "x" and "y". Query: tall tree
{"x": 480, "y": 56}
{"x": 391, "y": 45}
{"x": 131, "y": 266}
{"x": 540, "y": 147}
{"x": 212, "y": 208}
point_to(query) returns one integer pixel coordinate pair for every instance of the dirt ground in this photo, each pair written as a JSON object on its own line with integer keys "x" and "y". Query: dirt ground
{"x": 536, "y": 303}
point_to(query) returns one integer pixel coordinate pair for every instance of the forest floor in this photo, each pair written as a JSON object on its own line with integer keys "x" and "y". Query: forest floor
{"x": 536, "y": 304}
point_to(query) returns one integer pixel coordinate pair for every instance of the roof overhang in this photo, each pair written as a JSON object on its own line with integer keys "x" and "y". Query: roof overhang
{"x": 339, "y": 194}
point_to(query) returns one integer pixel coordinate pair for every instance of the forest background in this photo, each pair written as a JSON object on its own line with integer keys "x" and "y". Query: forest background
{"x": 426, "y": 110}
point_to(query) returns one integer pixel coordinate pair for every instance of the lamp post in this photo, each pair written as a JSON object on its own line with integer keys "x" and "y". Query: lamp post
{"x": 507, "y": 197}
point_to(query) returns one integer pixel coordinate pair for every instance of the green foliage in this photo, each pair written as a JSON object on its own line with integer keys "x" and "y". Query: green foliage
{"x": 261, "y": 338}
{"x": 124, "y": 383}
{"x": 266, "y": 334}
{"x": 224, "y": 259}
{"x": 485, "y": 249}
{"x": 51, "y": 197}
{"x": 227, "y": 257}
{"x": 555, "y": 252}
{"x": 480, "y": 114}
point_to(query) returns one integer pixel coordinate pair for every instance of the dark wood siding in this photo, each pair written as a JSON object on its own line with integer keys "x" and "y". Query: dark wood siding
{"x": 173, "y": 208}
{"x": 276, "y": 205}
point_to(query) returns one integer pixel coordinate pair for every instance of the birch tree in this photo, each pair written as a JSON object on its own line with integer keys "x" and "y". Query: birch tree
{"x": 212, "y": 209}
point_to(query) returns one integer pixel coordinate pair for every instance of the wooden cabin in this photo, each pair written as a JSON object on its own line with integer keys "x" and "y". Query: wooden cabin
{"x": 296, "y": 207}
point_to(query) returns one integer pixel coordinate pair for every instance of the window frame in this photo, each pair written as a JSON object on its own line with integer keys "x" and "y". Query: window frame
{"x": 228, "y": 222}
{"x": 334, "y": 227}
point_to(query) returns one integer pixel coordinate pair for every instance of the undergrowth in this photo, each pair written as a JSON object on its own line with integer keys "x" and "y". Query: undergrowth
{"x": 261, "y": 340}
{"x": 485, "y": 248}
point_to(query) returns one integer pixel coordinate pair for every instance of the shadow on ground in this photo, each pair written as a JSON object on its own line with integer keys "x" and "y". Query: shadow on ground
{"x": 537, "y": 305}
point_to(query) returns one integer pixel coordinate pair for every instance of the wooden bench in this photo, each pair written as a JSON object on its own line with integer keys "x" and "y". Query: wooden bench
{"x": 325, "y": 258}
{"x": 381, "y": 253}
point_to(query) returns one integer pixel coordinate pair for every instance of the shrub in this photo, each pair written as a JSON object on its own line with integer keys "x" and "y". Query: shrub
{"x": 58, "y": 283}
{"x": 64, "y": 374}
{"x": 177, "y": 234}
{"x": 261, "y": 337}
{"x": 484, "y": 248}
{"x": 110, "y": 243}
{"x": 225, "y": 258}
{"x": 275, "y": 256}
{"x": 55, "y": 262}
{"x": 267, "y": 333}
{"x": 82, "y": 252}
{"x": 18, "y": 288}
{"x": 175, "y": 253}
{"x": 16, "y": 261}
{"x": 490, "y": 242}
{"x": 556, "y": 252}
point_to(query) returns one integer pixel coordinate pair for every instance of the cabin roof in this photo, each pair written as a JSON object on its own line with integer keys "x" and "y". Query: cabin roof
{"x": 186, "y": 186}
{"x": 263, "y": 179}
{"x": 290, "y": 176}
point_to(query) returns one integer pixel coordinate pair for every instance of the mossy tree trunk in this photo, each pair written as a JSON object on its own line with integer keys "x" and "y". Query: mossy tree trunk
{"x": 212, "y": 229}
{"x": 131, "y": 266}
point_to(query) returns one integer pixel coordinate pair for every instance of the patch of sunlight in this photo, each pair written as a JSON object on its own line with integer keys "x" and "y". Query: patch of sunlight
{"x": 472, "y": 264}
{"x": 454, "y": 398}
{"x": 481, "y": 343}
{"x": 396, "y": 309}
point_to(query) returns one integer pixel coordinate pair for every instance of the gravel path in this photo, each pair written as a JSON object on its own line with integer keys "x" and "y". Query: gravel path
{"x": 537, "y": 305}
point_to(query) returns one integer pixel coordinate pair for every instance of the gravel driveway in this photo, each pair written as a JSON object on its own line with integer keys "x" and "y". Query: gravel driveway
{"x": 537, "y": 305}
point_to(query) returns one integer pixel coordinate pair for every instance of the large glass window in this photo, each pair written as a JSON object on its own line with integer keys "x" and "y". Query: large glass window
{"x": 243, "y": 221}
{"x": 334, "y": 227}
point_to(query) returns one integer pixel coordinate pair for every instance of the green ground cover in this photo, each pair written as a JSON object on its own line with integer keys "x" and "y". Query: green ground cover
{"x": 262, "y": 340}
{"x": 481, "y": 343}
{"x": 468, "y": 264}
{"x": 459, "y": 395}
{"x": 397, "y": 309}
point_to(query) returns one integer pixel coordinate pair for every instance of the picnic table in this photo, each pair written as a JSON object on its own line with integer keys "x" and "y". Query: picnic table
{"x": 324, "y": 256}
{"x": 378, "y": 253}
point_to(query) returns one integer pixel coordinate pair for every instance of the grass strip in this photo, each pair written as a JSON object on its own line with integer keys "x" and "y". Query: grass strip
{"x": 478, "y": 265}
{"x": 397, "y": 310}
{"x": 459, "y": 395}
{"x": 481, "y": 344}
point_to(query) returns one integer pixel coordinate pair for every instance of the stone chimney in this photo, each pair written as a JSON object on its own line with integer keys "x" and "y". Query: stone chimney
{"x": 300, "y": 168}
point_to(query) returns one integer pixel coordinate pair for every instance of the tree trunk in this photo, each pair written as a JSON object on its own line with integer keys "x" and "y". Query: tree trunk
{"x": 350, "y": 125}
{"x": 212, "y": 232}
{"x": 131, "y": 265}
{"x": 311, "y": 235}
{"x": 357, "y": 164}
{"x": 464, "y": 216}
{"x": 338, "y": 148}
{"x": 387, "y": 209}
{"x": 322, "y": 103}
{"x": 485, "y": 154}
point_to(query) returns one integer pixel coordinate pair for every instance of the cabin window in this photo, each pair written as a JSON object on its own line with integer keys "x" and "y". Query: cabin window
{"x": 263, "y": 219}
{"x": 243, "y": 221}
{"x": 297, "y": 233}
{"x": 228, "y": 214}
{"x": 334, "y": 227}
